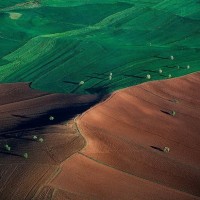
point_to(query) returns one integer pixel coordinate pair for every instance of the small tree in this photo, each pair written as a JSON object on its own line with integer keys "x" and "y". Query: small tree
{"x": 51, "y": 118}
{"x": 81, "y": 82}
{"x": 148, "y": 76}
{"x": 7, "y": 147}
{"x": 160, "y": 71}
{"x": 41, "y": 140}
{"x": 169, "y": 76}
{"x": 166, "y": 149}
{"x": 110, "y": 76}
{"x": 171, "y": 57}
{"x": 188, "y": 67}
{"x": 173, "y": 113}
{"x": 35, "y": 137}
{"x": 25, "y": 155}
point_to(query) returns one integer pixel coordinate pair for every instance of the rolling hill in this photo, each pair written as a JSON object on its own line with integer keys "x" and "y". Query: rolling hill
{"x": 57, "y": 44}
{"x": 99, "y": 99}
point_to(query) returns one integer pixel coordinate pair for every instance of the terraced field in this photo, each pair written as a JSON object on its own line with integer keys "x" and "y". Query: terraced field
{"x": 57, "y": 44}
{"x": 78, "y": 120}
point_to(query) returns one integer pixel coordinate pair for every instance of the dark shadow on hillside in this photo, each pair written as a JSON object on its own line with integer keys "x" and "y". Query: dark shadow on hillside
{"x": 133, "y": 76}
{"x": 160, "y": 57}
{"x": 3, "y": 151}
{"x": 148, "y": 70}
{"x": 16, "y": 136}
{"x": 20, "y": 116}
{"x": 101, "y": 90}
{"x": 163, "y": 75}
{"x": 165, "y": 112}
{"x": 10, "y": 153}
{"x": 71, "y": 82}
{"x": 156, "y": 148}
{"x": 25, "y": 129}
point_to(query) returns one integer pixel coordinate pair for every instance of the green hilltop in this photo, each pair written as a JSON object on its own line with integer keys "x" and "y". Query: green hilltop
{"x": 73, "y": 46}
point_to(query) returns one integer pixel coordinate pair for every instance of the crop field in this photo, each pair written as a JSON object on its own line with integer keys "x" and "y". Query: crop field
{"x": 99, "y": 99}
{"x": 24, "y": 122}
{"x": 58, "y": 44}
{"x": 128, "y": 132}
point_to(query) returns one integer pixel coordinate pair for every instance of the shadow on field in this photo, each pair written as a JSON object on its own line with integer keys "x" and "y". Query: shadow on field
{"x": 71, "y": 82}
{"x": 148, "y": 70}
{"x": 102, "y": 90}
{"x": 20, "y": 116}
{"x": 10, "y": 153}
{"x": 39, "y": 119}
{"x": 133, "y": 76}
{"x": 60, "y": 115}
{"x": 3, "y": 151}
{"x": 165, "y": 112}
{"x": 163, "y": 75}
{"x": 156, "y": 148}
{"x": 160, "y": 57}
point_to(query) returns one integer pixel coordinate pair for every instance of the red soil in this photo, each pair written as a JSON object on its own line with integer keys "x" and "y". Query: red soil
{"x": 23, "y": 113}
{"x": 83, "y": 175}
{"x": 125, "y": 136}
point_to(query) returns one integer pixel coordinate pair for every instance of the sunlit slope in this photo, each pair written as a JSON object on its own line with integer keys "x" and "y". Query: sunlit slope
{"x": 129, "y": 40}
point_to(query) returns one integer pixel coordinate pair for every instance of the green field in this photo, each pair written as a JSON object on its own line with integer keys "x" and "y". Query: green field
{"x": 55, "y": 44}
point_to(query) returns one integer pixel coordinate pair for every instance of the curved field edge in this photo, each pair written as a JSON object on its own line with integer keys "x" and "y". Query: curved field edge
{"x": 130, "y": 43}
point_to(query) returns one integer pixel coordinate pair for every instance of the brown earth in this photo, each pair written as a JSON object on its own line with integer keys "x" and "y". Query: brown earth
{"x": 122, "y": 154}
{"x": 126, "y": 135}
{"x": 24, "y": 113}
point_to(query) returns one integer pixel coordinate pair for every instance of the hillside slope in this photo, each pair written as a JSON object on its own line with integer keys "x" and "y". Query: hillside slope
{"x": 112, "y": 151}
{"x": 124, "y": 156}
{"x": 25, "y": 114}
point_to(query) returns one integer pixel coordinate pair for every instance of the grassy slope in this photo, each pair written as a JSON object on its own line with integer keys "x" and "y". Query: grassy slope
{"x": 85, "y": 40}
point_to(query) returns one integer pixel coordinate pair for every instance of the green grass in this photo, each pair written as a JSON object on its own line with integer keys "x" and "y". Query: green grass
{"x": 57, "y": 44}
